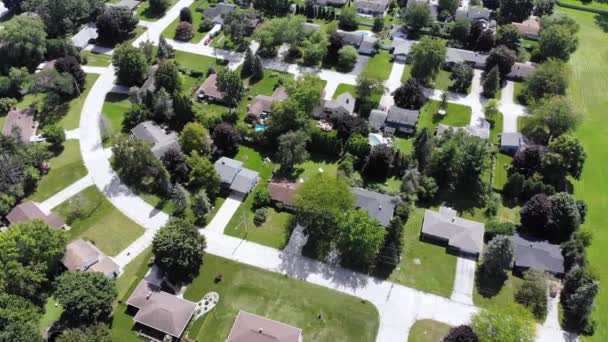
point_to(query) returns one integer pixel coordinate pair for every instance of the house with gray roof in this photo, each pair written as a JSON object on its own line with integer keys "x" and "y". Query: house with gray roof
{"x": 480, "y": 130}
{"x": 400, "y": 48}
{"x": 130, "y": 4}
{"x": 473, "y": 13}
{"x": 538, "y": 254}
{"x": 462, "y": 236}
{"x": 365, "y": 43}
{"x": 521, "y": 71}
{"x": 379, "y": 206}
{"x": 155, "y": 135}
{"x": 83, "y": 37}
{"x": 474, "y": 59}
{"x": 216, "y": 13}
{"x": 342, "y": 105}
{"x": 373, "y": 7}
{"x": 401, "y": 120}
{"x": 235, "y": 177}
{"x": 376, "y": 119}
{"x": 510, "y": 142}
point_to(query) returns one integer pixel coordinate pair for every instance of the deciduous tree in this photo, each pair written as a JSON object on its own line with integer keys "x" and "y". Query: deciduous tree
{"x": 427, "y": 57}
{"x": 23, "y": 43}
{"x": 508, "y": 323}
{"x": 292, "y": 149}
{"x": 359, "y": 239}
{"x": 115, "y": 24}
{"x": 167, "y": 76}
{"x": 461, "y": 77}
{"x": 130, "y": 65}
{"x": 410, "y": 95}
{"x": 202, "y": 174}
{"x": 86, "y": 297}
{"x": 416, "y": 17}
{"x": 230, "y": 83}
{"x": 557, "y": 41}
{"x": 515, "y": 10}
{"x": 532, "y": 294}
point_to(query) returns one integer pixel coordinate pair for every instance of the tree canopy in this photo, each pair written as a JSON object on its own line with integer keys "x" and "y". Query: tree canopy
{"x": 506, "y": 323}
{"x": 87, "y": 297}
{"x": 130, "y": 65}
{"x": 427, "y": 57}
{"x": 23, "y": 43}
{"x": 360, "y": 238}
{"x": 19, "y": 319}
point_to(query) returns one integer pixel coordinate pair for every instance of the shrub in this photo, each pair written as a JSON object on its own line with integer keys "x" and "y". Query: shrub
{"x": 260, "y": 216}
{"x": 495, "y": 228}
{"x": 205, "y": 25}
{"x": 183, "y": 31}
{"x": 6, "y": 105}
{"x": 261, "y": 198}
{"x": 54, "y": 134}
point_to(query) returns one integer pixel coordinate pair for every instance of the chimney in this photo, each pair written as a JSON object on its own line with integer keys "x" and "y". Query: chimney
{"x": 261, "y": 331}
{"x": 149, "y": 295}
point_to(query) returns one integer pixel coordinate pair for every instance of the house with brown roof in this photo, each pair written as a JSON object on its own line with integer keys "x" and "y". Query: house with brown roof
{"x": 283, "y": 191}
{"x": 529, "y": 28}
{"x": 262, "y": 104}
{"x": 253, "y": 328}
{"x": 159, "y": 313}
{"x": 21, "y": 124}
{"x": 29, "y": 211}
{"x": 81, "y": 255}
{"x": 209, "y": 91}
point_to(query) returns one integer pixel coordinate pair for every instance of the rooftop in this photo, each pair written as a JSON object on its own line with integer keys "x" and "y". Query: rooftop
{"x": 466, "y": 235}
{"x": 481, "y": 130}
{"x": 377, "y": 118}
{"x": 402, "y": 116}
{"x": 209, "y": 88}
{"x": 235, "y": 175}
{"x": 283, "y": 191}
{"x": 160, "y": 140}
{"x": 263, "y": 103}
{"x": 538, "y": 254}
{"x": 20, "y": 123}
{"x": 379, "y": 206}
{"x": 28, "y": 211}
{"x": 344, "y": 100}
{"x": 253, "y": 328}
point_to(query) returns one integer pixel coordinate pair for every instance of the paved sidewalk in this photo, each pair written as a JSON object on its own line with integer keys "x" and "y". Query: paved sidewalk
{"x": 67, "y": 193}
{"x": 464, "y": 281}
{"x": 393, "y": 82}
{"x": 225, "y": 213}
{"x": 73, "y": 134}
{"x": 93, "y": 70}
{"x": 154, "y": 29}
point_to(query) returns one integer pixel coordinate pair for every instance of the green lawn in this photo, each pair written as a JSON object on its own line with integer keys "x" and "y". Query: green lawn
{"x": 72, "y": 119}
{"x": 113, "y": 110}
{"x": 457, "y": 115}
{"x": 96, "y": 59}
{"x": 425, "y": 266}
{"x": 2, "y": 121}
{"x": 589, "y": 5}
{"x": 496, "y": 129}
{"x": 483, "y": 299}
{"x": 224, "y": 42}
{"x": 501, "y": 166}
{"x": 589, "y": 92}
{"x": 343, "y": 88}
{"x": 66, "y": 168}
{"x": 143, "y": 11}
{"x": 519, "y": 87}
{"x": 281, "y": 298}
{"x": 195, "y": 62}
{"x": 274, "y": 232}
{"x": 99, "y": 222}
{"x": 427, "y": 330}
{"x": 442, "y": 80}
{"x": 379, "y": 66}
{"x": 197, "y": 18}
{"x": 522, "y": 121}
{"x": 403, "y": 144}
{"x": 52, "y": 312}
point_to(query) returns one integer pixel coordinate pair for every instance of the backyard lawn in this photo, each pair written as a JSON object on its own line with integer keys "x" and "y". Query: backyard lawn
{"x": 518, "y": 88}
{"x": 66, "y": 168}
{"x": 425, "y": 266}
{"x": 281, "y": 298}
{"x": 442, "y": 80}
{"x": 72, "y": 119}
{"x": 457, "y": 115}
{"x": 501, "y": 165}
{"x": 379, "y": 66}
{"x": 197, "y": 18}
{"x": 113, "y": 110}
{"x": 312, "y": 166}
{"x": 143, "y": 11}
{"x": 99, "y": 221}
{"x": 51, "y": 314}
{"x": 96, "y": 59}
{"x": 427, "y": 330}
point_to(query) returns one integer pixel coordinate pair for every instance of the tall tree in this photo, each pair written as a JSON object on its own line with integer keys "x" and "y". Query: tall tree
{"x": 19, "y": 319}
{"x": 180, "y": 197}
{"x": 491, "y": 83}
{"x": 314, "y": 48}
{"x": 130, "y": 65}
{"x": 571, "y": 152}
{"x": 272, "y": 8}
{"x": 226, "y": 137}
{"x": 65, "y": 17}
{"x": 427, "y": 57}
{"x": 348, "y": 19}
{"x": 182, "y": 110}
{"x": 416, "y": 17}
{"x": 115, "y": 24}
{"x": 247, "y": 68}
{"x": 257, "y": 73}
{"x": 96, "y": 333}
{"x": 507, "y": 323}
{"x": 165, "y": 50}
{"x": 497, "y": 257}
{"x": 515, "y": 10}
{"x": 461, "y": 77}
{"x": 551, "y": 118}
{"x": 181, "y": 261}
{"x": 577, "y": 298}
{"x": 23, "y": 43}
{"x": 86, "y": 297}
{"x": 70, "y": 65}
{"x": 548, "y": 79}
{"x": 359, "y": 239}
{"x": 201, "y": 205}
{"x": 292, "y": 149}
{"x": 195, "y": 137}
{"x": 231, "y": 85}
{"x": 423, "y": 148}
{"x": 167, "y": 76}
{"x": 503, "y": 58}
{"x": 533, "y": 293}
{"x": 202, "y": 174}
{"x": 509, "y": 36}
{"x": 536, "y": 213}
{"x": 557, "y": 41}
{"x": 410, "y": 95}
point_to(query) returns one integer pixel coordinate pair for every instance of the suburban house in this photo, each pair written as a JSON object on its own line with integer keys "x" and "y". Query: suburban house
{"x": 520, "y": 71}
{"x": 283, "y": 191}
{"x": 29, "y": 211}
{"x": 248, "y": 327}
{"x": 397, "y": 119}
{"x": 262, "y": 104}
{"x": 462, "y": 236}
{"x": 334, "y": 3}
{"x": 373, "y": 7}
{"x": 21, "y": 125}
{"x": 510, "y": 142}
{"x": 342, "y": 105}
{"x": 81, "y": 255}
{"x": 538, "y": 254}
{"x": 473, "y": 13}
{"x": 161, "y": 141}
{"x": 379, "y": 206}
{"x": 481, "y": 130}
{"x": 400, "y": 48}
{"x": 83, "y": 37}
{"x": 360, "y": 40}
{"x": 235, "y": 177}
{"x": 529, "y": 28}
{"x": 455, "y": 56}
{"x": 159, "y": 313}
{"x": 209, "y": 91}
{"x": 150, "y": 82}
{"x": 433, "y": 6}
{"x": 216, "y": 13}
{"x": 130, "y": 4}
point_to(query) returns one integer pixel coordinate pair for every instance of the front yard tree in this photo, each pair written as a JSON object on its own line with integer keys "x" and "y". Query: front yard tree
{"x": 159, "y": 6}
{"x": 577, "y": 299}
{"x": 461, "y": 77}
{"x": 180, "y": 199}
{"x": 378, "y": 24}
{"x": 167, "y": 76}
{"x": 509, "y": 36}
{"x": 533, "y": 293}
{"x": 410, "y": 95}
{"x": 23, "y": 43}
{"x": 497, "y": 257}
{"x": 491, "y": 83}
{"x": 461, "y": 333}
{"x": 551, "y": 118}
{"x": 427, "y": 57}
{"x": 314, "y": 48}
{"x": 292, "y": 149}
{"x": 195, "y": 137}
{"x": 54, "y": 134}
{"x": 231, "y": 85}
{"x": 320, "y": 203}
{"x": 18, "y": 319}
{"x": 548, "y": 79}
{"x": 178, "y": 249}
{"x": 247, "y": 68}
{"x": 258, "y": 69}
{"x": 115, "y": 24}
{"x": 347, "y": 57}
{"x": 515, "y": 10}
{"x": 97, "y": 333}
{"x": 557, "y": 41}
{"x": 70, "y": 65}
{"x": 349, "y": 20}
{"x": 359, "y": 239}
{"x": 202, "y": 174}
{"x": 571, "y": 152}
{"x": 506, "y": 323}
{"x": 184, "y": 31}
{"x": 86, "y": 297}
{"x": 165, "y": 50}
{"x": 130, "y": 65}
{"x": 503, "y": 58}
{"x": 30, "y": 267}
{"x": 201, "y": 205}
{"x": 416, "y": 17}
{"x": 226, "y": 137}
{"x": 536, "y": 213}
{"x": 185, "y": 14}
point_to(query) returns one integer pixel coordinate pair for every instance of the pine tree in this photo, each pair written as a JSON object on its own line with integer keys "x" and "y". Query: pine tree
{"x": 182, "y": 107}
{"x": 491, "y": 83}
{"x": 247, "y": 69}
{"x": 258, "y": 69}
{"x": 201, "y": 205}
{"x": 180, "y": 199}
{"x": 165, "y": 50}
{"x": 163, "y": 109}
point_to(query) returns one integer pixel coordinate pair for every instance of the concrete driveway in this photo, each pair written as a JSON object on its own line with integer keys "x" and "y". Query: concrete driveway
{"x": 464, "y": 280}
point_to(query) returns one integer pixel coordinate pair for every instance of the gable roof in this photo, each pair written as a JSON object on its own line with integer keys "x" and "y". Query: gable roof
{"x": 402, "y": 116}
{"x": 244, "y": 181}
{"x": 85, "y": 35}
{"x": 466, "y": 235}
{"x": 160, "y": 310}
{"x": 401, "y": 46}
{"x": 80, "y": 254}
{"x": 161, "y": 141}
{"x": 521, "y": 70}
{"x": 373, "y": 6}
{"x": 460, "y": 55}
{"x": 529, "y": 27}
{"x": 283, "y": 191}
{"x": 481, "y": 130}
{"x": 377, "y": 118}
{"x": 379, "y": 206}
{"x": 29, "y": 211}
{"x": 538, "y": 254}
{"x": 253, "y": 328}
{"x": 227, "y": 168}
{"x": 345, "y": 101}
{"x": 130, "y": 4}
{"x": 263, "y": 103}
{"x": 351, "y": 38}
{"x": 209, "y": 88}
{"x": 21, "y": 121}
{"x": 511, "y": 139}
{"x": 215, "y": 13}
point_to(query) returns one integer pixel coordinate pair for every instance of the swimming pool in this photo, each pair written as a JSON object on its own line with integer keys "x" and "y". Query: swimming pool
{"x": 376, "y": 139}
{"x": 260, "y": 128}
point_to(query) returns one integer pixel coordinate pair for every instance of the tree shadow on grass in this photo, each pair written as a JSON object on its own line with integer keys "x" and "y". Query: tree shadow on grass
{"x": 602, "y": 22}
{"x": 489, "y": 285}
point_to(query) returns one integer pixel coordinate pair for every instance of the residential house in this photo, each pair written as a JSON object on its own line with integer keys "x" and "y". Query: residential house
{"x": 480, "y": 130}
{"x": 401, "y": 120}
{"x": 473, "y": 14}
{"x": 262, "y": 104}
{"x": 511, "y": 142}
{"x": 379, "y": 206}
{"x": 538, "y": 254}
{"x": 529, "y": 28}
{"x": 521, "y": 71}
{"x": 235, "y": 177}
{"x": 400, "y": 48}
{"x": 159, "y": 313}
{"x": 462, "y": 236}
{"x": 365, "y": 44}
{"x": 343, "y": 105}
{"x": 209, "y": 91}
{"x": 29, "y": 211}
{"x": 130, "y": 4}
{"x": 253, "y": 328}
{"x": 216, "y": 13}
{"x": 160, "y": 140}
{"x": 83, "y": 37}
{"x": 474, "y": 59}
{"x": 372, "y": 7}
{"x": 283, "y": 191}
{"x": 81, "y": 255}
{"x": 333, "y": 3}
{"x": 21, "y": 125}
{"x": 376, "y": 119}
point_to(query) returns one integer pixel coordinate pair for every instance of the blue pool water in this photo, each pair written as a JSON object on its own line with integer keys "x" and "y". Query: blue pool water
{"x": 260, "y": 128}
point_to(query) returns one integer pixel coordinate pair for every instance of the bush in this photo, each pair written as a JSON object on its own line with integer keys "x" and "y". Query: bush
{"x": 54, "y": 134}
{"x": 495, "y": 228}
{"x": 205, "y": 25}
{"x": 185, "y": 15}
{"x": 261, "y": 198}
{"x": 260, "y": 216}
{"x": 347, "y": 57}
{"x": 6, "y": 105}
{"x": 183, "y": 31}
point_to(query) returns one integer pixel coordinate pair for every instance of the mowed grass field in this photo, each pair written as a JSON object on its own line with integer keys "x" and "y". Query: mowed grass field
{"x": 589, "y": 92}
